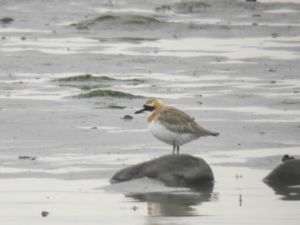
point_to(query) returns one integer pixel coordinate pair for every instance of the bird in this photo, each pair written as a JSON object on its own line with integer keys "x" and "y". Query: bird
{"x": 172, "y": 125}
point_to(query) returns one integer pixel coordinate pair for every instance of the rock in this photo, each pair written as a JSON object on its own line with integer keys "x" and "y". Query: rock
{"x": 286, "y": 173}
{"x": 172, "y": 170}
{"x": 44, "y": 213}
{"x": 116, "y": 107}
{"x": 287, "y": 157}
{"x": 127, "y": 117}
{"x": 6, "y": 20}
{"x": 24, "y": 157}
{"x": 285, "y": 178}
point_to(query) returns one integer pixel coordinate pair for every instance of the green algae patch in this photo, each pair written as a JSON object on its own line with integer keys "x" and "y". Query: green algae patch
{"x": 107, "y": 93}
{"x": 191, "y": 6}
{"x": 85, "y": 81}
{"x": 91, "y": 78}
{"x": 84, "y": 78}
{"x": 118, "y": 19}
{"x": 88, "y": 82}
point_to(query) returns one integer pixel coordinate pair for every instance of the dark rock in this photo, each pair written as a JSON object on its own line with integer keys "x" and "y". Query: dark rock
{"x": 173, "y": 170}
{"x": 127, "y": 117}
{"x": 284, "y": 178}
{"x": 116, "y": 107}
{"x": 287, "y": 173}
{"x": 287, "y": 157}
{"x": 274, "y": 35}
{"x": 24, "y": 157}
{"x": 6, "y": 20}
{"x": 44, "y": 213}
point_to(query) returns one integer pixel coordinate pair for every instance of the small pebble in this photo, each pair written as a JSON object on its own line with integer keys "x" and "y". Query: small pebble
{"x": 45, "y": 213}
{"x": 24, "y": 157}
{"x": 272, "y": 70}
{"x": 127, "y": 117}
{"x": 6, "y": 20}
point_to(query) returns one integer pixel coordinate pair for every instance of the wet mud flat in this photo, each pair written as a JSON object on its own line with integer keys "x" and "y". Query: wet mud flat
{"x": 73, "y": 73}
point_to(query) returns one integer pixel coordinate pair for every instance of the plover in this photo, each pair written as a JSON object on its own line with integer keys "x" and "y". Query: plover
{"x": 171, "y": 125}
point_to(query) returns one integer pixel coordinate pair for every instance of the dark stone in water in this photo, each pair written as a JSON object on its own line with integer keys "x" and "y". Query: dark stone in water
{"x": 127, "y": 117}
{"x": 286, "y": 173}
{"x": 284, "y": 178}
{"x": 287, "y": 157}
{"x": 116, "y": 107}
{"x": 44, "y": 213}
{"x": 173, "y": 170}
{"x": 24, "y": 157}
{"x": 6, "y": 20}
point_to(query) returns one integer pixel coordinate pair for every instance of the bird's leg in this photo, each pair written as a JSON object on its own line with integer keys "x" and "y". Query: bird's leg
{"x": 174, "y": 147}
{"x": 177, "y": 149}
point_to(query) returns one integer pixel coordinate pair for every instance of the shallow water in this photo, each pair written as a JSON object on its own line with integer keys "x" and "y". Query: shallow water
{"x": 233, "y": 66}
{"x": 235, "y": 199}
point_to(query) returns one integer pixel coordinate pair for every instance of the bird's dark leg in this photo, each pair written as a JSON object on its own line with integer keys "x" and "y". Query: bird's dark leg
{"x": 174, "y": 147}
{"x": 177, "y": 149}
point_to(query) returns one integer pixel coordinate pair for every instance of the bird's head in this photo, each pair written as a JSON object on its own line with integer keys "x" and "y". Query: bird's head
{"x": 150, "y": 105}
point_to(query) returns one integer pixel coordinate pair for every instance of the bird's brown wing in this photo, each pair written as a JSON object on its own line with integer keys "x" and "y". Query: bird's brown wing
{"x": 178, "y": 121}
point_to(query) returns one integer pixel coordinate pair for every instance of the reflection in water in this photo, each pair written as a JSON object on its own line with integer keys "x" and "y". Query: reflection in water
{"x": 287, "y": 192}
{"x": 172, "y": 203}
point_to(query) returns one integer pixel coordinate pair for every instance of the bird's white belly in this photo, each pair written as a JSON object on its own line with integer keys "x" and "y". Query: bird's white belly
{"x": 169, "y": 137}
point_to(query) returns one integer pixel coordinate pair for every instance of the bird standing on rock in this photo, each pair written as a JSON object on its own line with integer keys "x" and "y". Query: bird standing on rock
{"x": 172, "y": 125}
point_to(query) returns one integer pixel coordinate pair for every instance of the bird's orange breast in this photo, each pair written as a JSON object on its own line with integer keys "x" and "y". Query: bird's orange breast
{"x": 153, "y": 117}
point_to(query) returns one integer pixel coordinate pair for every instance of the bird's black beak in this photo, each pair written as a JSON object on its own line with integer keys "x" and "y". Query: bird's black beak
{"x": 146, "y": 108}
{"x": 140, "y": 111}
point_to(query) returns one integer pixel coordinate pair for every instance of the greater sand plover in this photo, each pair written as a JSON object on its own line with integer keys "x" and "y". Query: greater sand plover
{"x": 172, "y": 125}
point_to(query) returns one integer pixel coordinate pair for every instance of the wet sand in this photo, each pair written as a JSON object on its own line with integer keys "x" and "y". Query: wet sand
{"x": 231, "y": 65}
